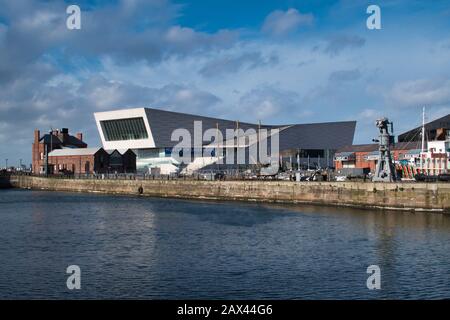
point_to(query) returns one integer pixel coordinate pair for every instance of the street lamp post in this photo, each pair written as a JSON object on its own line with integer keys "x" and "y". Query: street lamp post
{"x": 6, "y": 164}
{"x": 51, "y": 139}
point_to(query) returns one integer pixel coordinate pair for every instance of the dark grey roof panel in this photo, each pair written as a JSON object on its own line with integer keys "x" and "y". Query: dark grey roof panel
{"x": 414, "y": 134}
{"x": 163, "y": 123}
{"x": 329, "y": 135}
{"x": 54, "y": 139}
{"x": 47, "y": 138}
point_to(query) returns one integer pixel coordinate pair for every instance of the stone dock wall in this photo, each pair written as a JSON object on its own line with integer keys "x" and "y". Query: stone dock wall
{"x": 396, "y": 196}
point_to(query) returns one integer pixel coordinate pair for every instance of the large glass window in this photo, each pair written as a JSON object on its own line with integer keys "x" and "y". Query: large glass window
{"x": 124, "y": 129}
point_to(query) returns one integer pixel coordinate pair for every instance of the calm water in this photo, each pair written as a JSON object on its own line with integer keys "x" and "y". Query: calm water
{"x": 131, "y": 247}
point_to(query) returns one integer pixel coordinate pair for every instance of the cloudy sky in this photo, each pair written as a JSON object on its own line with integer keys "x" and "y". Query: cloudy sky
{"x": 283, "y": 61}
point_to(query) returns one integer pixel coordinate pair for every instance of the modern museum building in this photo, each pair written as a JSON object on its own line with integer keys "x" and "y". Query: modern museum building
{"x": 154, "y": 133}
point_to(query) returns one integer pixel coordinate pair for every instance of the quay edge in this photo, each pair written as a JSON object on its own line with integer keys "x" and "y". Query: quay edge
{"x": 430, "y": 197}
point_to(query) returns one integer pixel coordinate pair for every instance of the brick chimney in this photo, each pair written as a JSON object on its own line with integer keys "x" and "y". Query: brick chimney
{"x": 80, "y": 136}
{"x": 37, "y": 135}
{"x": 64, "y": 135}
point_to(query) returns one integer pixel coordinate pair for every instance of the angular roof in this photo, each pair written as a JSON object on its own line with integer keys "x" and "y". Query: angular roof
{"x": 163, "y": 123}
{"x": 327, "y": 135}
{"x": 119, "y": 151}
{"x": 414, "y": 134}
{"x": 75, "y": 152}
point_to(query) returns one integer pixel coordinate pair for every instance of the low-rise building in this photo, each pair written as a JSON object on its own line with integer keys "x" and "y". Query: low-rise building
{"x": 58, "y": 152}
{"x": 407, "y": 154}
{"x": 91, "y": 160}
{"x": 362, "y": 159}
{"x": 78, "y": 161}
{"x": 122, "y": 161}
{"x": 55, "y": 139}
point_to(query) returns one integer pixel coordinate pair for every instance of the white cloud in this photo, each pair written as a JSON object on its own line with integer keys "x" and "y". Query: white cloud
{"x": 369, "y": 114}
{"x": 279, "y": 23}
{"x": 230, "y": 64}
{"x": 437, "y": 113}
{"x": 421, "y": 92}
{"x": 270, "y": 103}
{"x": 132, "y": 59}
{"x": 177, "y": 34}
{"x": 345, "y": 75}
{"x": 337, "y": 43}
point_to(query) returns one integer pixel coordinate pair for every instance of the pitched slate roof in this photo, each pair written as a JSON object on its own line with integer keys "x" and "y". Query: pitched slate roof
{"x": 56, "y": 141}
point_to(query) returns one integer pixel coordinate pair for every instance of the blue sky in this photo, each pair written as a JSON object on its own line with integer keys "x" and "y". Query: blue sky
{"x": 276, "y": 61}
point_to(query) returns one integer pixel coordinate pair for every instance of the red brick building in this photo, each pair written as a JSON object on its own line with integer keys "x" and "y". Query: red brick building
{"x": 79, "y": 161}
{"x": 91, "y": 160}
{"x": 62, "y": 153}
{"x": 55, "y": 139}
{"x": 363, "y": 158}
{"x": 407, "y": 152}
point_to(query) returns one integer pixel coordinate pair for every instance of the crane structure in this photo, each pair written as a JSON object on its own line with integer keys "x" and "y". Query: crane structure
{"x": 385, "y": 170}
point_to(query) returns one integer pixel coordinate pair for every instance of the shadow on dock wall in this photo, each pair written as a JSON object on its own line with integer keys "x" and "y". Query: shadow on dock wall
{"x": 5, "y": 182}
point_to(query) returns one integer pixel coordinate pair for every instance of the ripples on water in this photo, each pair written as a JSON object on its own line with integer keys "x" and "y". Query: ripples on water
{"x": 132, "y": 247}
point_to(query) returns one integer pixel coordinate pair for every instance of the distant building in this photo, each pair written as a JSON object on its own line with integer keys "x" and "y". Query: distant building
{"x": 55, "y": 139}
{"x": 406, "y": 153}
{"x": 79, "y": 161}
{"x": 122, "y": 161}
{"x": 91, "y": 160}
{"x": 362, "y": 159}
{"x": 62, "y": 153}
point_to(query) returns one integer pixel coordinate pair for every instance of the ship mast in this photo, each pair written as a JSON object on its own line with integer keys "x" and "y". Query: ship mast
{"x": 423, "y": 140}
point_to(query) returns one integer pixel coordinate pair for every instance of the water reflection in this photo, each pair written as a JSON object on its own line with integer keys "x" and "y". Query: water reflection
{"x": 133, "y": 247}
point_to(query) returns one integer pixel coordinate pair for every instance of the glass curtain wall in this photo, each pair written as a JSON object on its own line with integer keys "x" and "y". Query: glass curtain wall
{"x": 124, "y": 129}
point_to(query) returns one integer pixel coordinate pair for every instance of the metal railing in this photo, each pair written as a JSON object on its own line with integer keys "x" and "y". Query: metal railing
{"x": 210, "y": 175}
{"x": 205, "y": 175}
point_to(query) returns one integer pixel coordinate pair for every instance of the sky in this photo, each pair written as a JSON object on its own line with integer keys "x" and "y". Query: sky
{"x": 281, "y": 62}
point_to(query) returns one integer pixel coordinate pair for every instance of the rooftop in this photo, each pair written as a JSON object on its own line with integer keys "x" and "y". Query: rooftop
{"x": 411, "y": 145}
{"x": 75, "y": 152}
{"x": 414, "y": 134}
